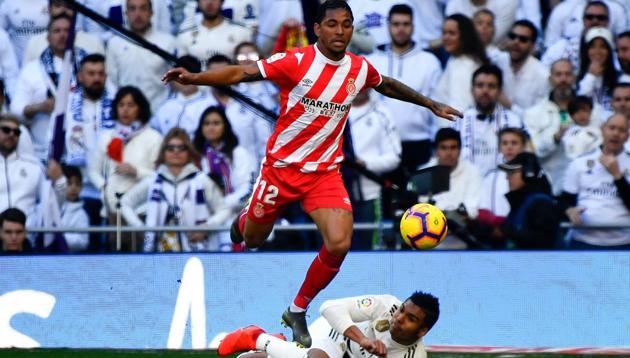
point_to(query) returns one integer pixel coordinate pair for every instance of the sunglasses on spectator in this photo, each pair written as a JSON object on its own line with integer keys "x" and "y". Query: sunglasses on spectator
{"x": 8, "y": 130}
{"x": 247, "y": 56}
{"x": 176, "y": 148}
{"x": 520, "y": 38}
{"x": 597, "y": 17}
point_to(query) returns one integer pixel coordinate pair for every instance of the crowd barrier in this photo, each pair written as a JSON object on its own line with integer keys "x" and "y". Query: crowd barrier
{"x": 517, "y": 298}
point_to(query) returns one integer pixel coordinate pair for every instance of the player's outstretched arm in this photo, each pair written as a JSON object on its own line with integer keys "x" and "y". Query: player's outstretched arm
{"x": 223, "y": 76}
{"x": 393, "y": 88}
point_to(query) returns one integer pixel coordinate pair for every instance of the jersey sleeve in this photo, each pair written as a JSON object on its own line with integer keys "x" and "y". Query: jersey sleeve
{"x": 343, "y": 313}
{"x": 279, "y": 67}
{"x": 373, "y": 78}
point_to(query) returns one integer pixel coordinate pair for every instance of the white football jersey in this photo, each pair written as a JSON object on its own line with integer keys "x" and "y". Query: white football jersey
{"x": 598, "y": 195}
{"x": 372, "y": 315}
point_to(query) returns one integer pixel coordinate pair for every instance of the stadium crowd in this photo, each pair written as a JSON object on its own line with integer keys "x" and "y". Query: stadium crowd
{"x": 544, "y": 87}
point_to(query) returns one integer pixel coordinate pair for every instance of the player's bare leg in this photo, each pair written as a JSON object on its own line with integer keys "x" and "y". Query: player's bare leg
{"x": 335, "y": 225}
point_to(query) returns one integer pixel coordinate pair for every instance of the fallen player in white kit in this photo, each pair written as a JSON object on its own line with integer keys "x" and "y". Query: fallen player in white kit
{"x": 360, "y": 326}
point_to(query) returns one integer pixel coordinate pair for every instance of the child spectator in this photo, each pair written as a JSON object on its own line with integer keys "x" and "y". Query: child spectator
{"x": 582, "y": 136}
{"x": 72, "y": 212}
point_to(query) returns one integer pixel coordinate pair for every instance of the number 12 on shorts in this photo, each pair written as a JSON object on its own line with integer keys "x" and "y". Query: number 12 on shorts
{"x": 267, "y": 193}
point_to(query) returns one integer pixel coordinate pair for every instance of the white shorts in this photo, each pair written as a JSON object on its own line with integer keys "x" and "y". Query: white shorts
{"x": 327, "y": 339}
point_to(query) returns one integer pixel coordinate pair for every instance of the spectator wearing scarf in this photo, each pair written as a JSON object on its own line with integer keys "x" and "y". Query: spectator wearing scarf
{"x": 87, "y": 115}
{"x": 226, "y": 162}
{"x": 125, "y": 154}
{"x": 37, "y": 84}
{"x": 178, "y": 193}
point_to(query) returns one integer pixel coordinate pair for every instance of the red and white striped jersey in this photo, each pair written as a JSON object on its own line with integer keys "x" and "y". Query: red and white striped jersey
{"x": 315, "y": 98}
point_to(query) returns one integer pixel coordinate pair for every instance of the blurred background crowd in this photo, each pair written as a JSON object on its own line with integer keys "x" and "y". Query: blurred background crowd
{"x": 544, "y": 86}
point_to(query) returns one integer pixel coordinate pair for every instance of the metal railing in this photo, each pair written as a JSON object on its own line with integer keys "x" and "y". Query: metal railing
{"x": 288, "y": 228}
{"x": 109, "y": 229}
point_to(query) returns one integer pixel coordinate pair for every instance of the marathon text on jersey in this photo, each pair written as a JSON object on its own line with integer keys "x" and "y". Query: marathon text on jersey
{"x": 323, "y": 108}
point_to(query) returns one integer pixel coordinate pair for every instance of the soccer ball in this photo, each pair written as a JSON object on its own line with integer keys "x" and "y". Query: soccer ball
{"x": 423, "y": 226}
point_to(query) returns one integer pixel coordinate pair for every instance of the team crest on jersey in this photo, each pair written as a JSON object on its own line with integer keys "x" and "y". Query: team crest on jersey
{"x": 365, "y": 302}
{"x": 381, "y": 325}
{"x": 259, "y": 210}
{"x": 351, "y": 87}
{"x": 276, "y": 57}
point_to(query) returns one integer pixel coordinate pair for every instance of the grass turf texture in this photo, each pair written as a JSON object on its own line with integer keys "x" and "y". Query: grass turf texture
{"x": 78, "y": 353}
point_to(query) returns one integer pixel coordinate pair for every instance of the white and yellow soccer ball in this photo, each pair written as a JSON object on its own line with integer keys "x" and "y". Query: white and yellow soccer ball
{"x": 423, "y": 226}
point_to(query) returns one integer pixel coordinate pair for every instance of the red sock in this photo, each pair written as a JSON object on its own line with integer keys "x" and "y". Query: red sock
{"x": 322, "y": 270}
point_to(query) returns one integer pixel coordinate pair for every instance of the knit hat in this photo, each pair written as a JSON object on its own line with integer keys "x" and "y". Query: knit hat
{"x": 601, "y": 32}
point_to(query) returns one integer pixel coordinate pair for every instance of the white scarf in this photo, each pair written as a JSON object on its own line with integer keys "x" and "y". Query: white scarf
{"x": 127, "y": 132}
{"x": 81, "y": 136}
{"x": 181, "y": 202}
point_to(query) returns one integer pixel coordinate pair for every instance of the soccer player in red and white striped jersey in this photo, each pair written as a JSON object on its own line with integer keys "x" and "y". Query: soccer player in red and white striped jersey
{"x": 317, "y": 84}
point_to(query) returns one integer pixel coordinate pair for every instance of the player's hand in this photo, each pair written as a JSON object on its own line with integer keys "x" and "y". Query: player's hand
{"x": 611, "y": 164}
{"x": 375, "y": 347}
{"x": 575, "y": 215}
{"x": 178, "y": 74}
{"x": 444, "y": 111}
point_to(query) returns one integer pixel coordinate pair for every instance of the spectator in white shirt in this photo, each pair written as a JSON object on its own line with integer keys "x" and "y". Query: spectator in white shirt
{"x": 37, "y": 44}
{"x": 482, "y": 123}
{"x": 527, "y": 80}
{"x": 461, "y": 41}
{"x": 373, "y": 15}
{"x": 224, "y": 160}
{"x": 183, "y": 109}
{"x": 178, "y": 193}
{"x": 461, "y": 201}
{"x": 264, "y": 93}
{"x": 251, "y": 129}
{"x": 376, "y": 146}
{"x": 22, "y": 20}
{"x": 25, "y": 144}
{"x": 548, "y": 120}
{"x": 403, "y": 60}
{"x": 583, "y": 135}
{"x": 23, "y": 184}
{"x": 214, "y": 35}
{"x": 597, "y": 75}
{"x": 484, "y": 25}
{"x": 125, "y": 154}
{"x": 504, "y": 10}
{"x": 37, "y": 84}
{"x": 493, "y": 205}
{"x": 9, "y": 67}
{"x": 270, "y": 21}
{"x": 621, "y": 99}
{"x": 89, "y": 113}
{"x": 597, "y": 190}
{"x": 131, "y": 65}
{"x": 623, "y": 56}
{"x": 428, "y": 33}
{"x": 596, "y": 14}
{"x": 566, "y": 18}
{"x": 245, "y": 12}
{"x": 72, "y": 211}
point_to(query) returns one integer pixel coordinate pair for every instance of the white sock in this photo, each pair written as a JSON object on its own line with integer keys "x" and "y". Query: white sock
{"x": 276, "y": 347}
{"x": 295, "y": 309}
